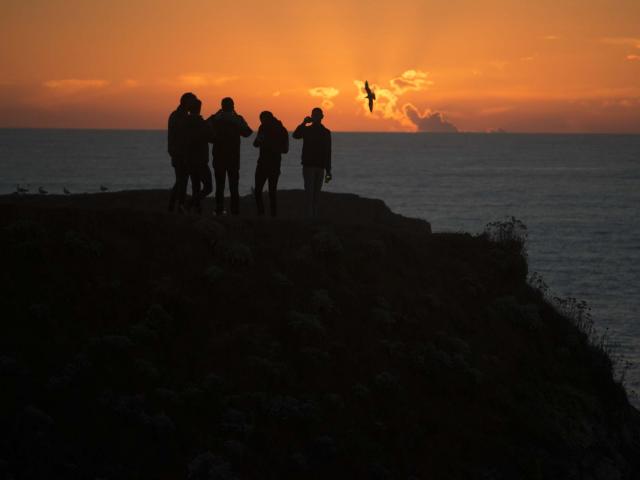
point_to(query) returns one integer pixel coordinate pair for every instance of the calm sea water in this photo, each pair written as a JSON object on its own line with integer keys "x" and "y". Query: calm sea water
{"x": 579, "y": 195}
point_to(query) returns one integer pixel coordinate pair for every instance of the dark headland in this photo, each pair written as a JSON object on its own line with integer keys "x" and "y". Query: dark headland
{"x": 136, "y": 344}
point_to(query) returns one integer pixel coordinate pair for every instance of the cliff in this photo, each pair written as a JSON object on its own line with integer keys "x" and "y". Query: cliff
{"x": 140, "y": 344}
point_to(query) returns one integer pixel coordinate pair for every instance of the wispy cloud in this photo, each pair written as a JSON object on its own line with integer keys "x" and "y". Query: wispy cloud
{"x": 626, "y": 41}
{"x": 131, "y": 83}
{"x": 204, "y": 79}
{"x": 499, "y": 64}
{"x": 551, "y": 37}
{"x": 410, "y": 80}
{"x": 326, "y": 93}
{"x": 75, "y": 84}
{"x": 633, "y": 58}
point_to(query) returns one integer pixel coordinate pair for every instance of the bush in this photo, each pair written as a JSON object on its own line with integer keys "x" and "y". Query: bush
{"x": 510, "y": 233}
{"x": 236, "y": 254}
{"x": 326, "y": 244}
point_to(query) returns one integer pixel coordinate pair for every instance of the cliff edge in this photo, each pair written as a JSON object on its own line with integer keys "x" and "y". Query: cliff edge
{"x": 140, "y": 344}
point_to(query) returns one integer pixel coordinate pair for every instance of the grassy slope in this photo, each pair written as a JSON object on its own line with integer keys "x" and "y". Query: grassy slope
{"x": 137, "y": 344}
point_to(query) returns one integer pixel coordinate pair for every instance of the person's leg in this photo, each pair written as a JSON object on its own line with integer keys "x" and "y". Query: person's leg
{"x": 273, "y": 193}
{"x": 234, "y": 179}
{"x": 194, "y": 175}
{"x": 318, "y": 180}
{"x": 183, "y": 181}
{"x": 207, "y": 181}
{"x": 174, "y": 190}
{"x": 260, "y": 178}
{"x": 307, "y": 174}
{"x": 221, "y": 175}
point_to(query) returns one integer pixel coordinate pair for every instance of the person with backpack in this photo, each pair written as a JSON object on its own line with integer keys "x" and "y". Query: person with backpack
{"x": 272, "y": 140}
{"x": 228, "y": 128}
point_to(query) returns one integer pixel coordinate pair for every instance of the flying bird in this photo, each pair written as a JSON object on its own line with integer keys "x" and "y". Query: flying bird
{"x": 370, "y": 95}
{"x": 42, "y": 191}
{"x": 20, "y": 189}
{"x": 103, "y": 188}
{"x": 66, "y": 192}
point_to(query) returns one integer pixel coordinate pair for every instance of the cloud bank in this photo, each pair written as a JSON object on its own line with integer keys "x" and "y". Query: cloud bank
{"x": 388, "y": 103}
{"x": 429, "y": 121}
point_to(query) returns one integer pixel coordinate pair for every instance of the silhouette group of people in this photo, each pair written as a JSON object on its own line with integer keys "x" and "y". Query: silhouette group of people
{"x": 189, "y": 136}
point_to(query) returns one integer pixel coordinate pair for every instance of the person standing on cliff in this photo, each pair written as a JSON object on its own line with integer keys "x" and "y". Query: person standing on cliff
{"x": 228, "y": 128}
{"x": 177, "y": 148}
{"x": 198, "y": 133}
{"x": 316, "y": 157}
{"x": 273, "y": 140}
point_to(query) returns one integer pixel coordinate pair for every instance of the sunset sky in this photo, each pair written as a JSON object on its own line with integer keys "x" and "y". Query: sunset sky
{"x": 539, "y": 66}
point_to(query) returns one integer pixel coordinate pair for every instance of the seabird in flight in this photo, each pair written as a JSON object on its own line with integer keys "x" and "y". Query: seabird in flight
{"x": 42, "y": 191}
{"x": 370, "y": 95}
{"x": 20, "y": 189}
{"x": 66, "y": 192}
{"x": 103, "y": 188}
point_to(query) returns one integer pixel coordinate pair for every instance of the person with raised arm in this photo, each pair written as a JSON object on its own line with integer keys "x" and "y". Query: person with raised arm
{"x": 316, "y": 157}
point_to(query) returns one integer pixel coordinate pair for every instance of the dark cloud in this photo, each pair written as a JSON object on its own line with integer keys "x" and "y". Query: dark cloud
{"x": 429, "y": 121}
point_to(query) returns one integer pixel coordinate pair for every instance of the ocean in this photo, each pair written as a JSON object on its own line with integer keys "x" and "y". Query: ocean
{"x": 579, "y": 195}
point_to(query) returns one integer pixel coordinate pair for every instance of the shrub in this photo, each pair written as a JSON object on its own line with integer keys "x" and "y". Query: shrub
{"x": 207, "y": 466}
{"x": 214, "y": 274}
{"x": 236, "y": 254}
{"x": 321, "y": 302}
{"x": 326, "y": 244}
{"x": 510, "y": 233}
{"x": 78, "y": 243}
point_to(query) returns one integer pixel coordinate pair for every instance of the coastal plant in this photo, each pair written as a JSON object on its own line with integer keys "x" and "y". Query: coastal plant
{"x": 326, "y": 244}
{"x": 76, "y": 242}
{"x": 509, "y": 232}
{"x": 579, "y": 313}
{"x": 236, "y": 254}
{"x": 207, "y": 466}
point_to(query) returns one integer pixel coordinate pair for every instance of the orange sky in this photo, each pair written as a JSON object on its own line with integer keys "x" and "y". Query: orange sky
{"x": 539, "y": 66}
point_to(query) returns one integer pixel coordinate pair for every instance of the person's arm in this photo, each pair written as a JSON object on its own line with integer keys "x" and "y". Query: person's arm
{"x": 298, "y": 133}
{"x": 285, "y": 140}
{"x": 171, "y": 135}
{"x": 259, "y": 138}
{"x": 327, "y": 164}
{"x": 245, "y": 130}
{"x": 211, "y": 133}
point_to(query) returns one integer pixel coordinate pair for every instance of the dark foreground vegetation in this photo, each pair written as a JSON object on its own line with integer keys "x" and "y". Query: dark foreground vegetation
{"x": 139, "y": 345}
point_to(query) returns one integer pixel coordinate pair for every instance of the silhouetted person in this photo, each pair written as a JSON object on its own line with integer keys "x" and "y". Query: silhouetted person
{"x": 228, "y": 127}
{"x": 273, "y": 141}
{"x": 177, "y": 148}
{"x": 316, "y": 157}
{"x": 198, "y": 134}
